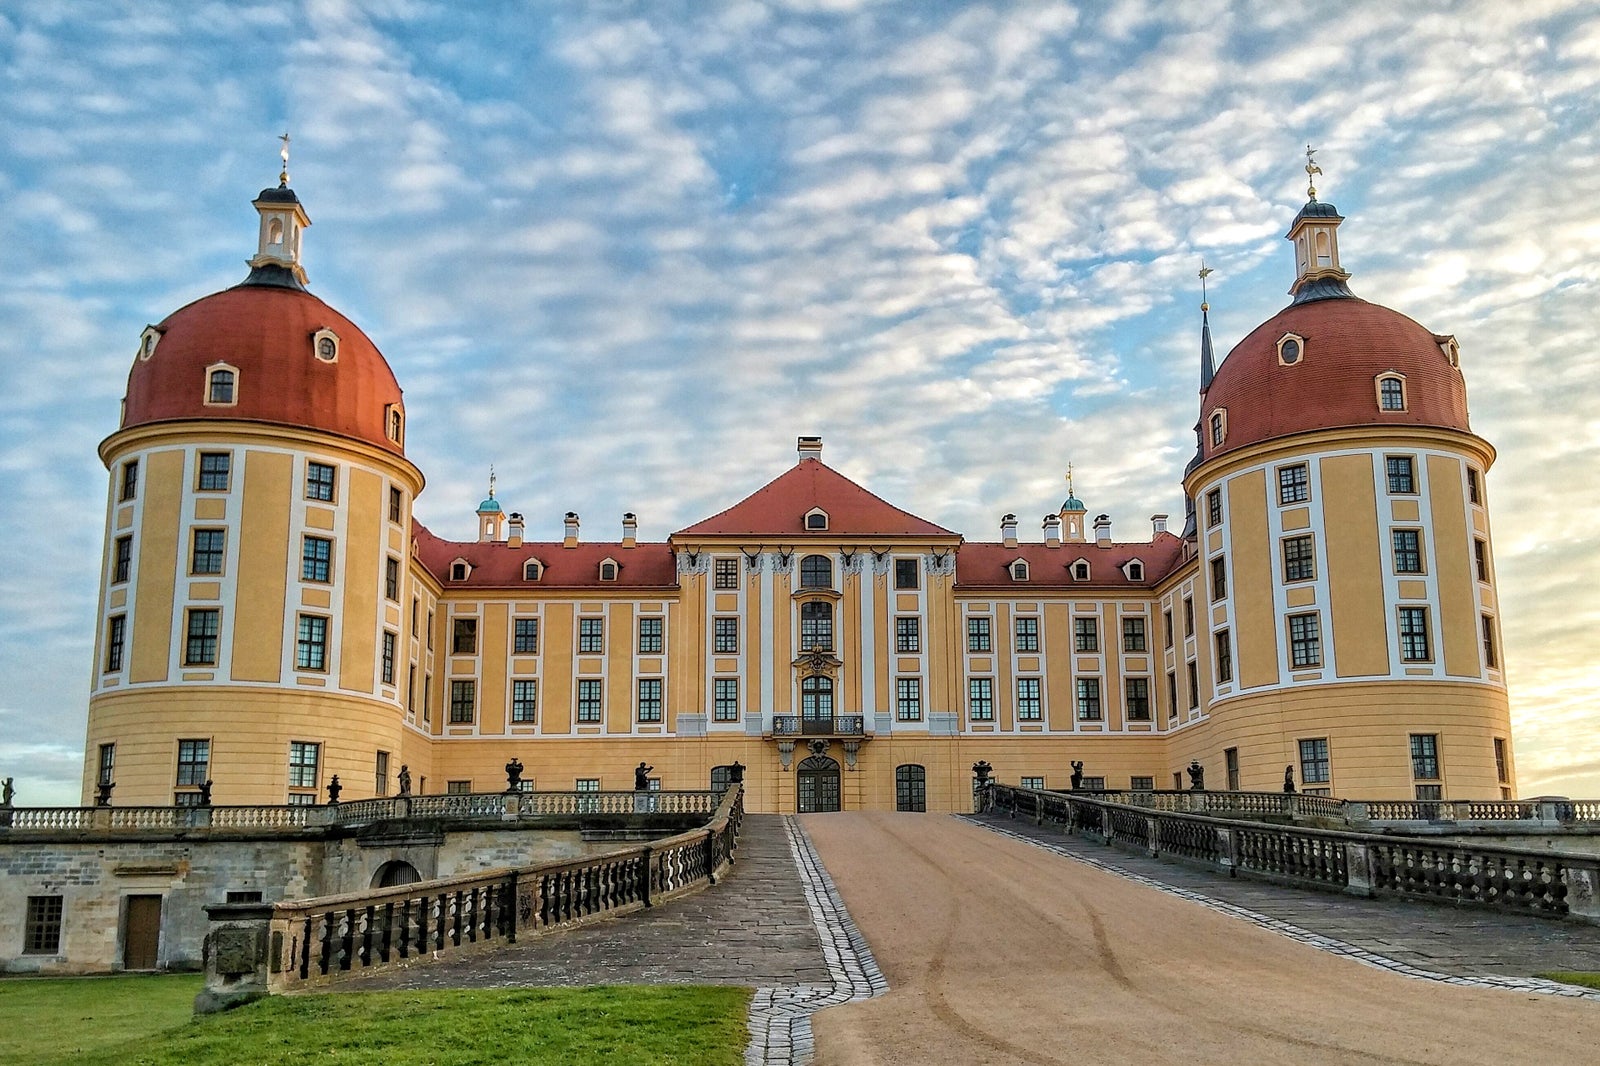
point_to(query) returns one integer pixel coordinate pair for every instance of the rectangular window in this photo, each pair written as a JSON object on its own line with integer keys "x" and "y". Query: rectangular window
{"x": 650, "y": 636}
{"x": 194, "y": 762}
{"x": 1219, "y": 579}
{"x": 1502, "y": 765}
{"x": 41, "y": 930}
{"x": 1305, "y": 640}
{"x": 1294, "y": 484}
{"x": 725, "y": 635}
{"x": 906, "y": 574}
{"x": 649, "y": 699}
{"x": 1027, "y": 634}
{"x": 1137, "y": 693}
{"x": 1230, "y": 760}
{"x": 108, "y": 764}
{"x": 319, "y": 481}
{"x": 726, "y": 573}
{"x": 1188, "y": 616}
{"x": 908, "y": 699}
{"x": 396, "y": 504}
{"x": 908, "y": 634}
{"x": 1402, "y": 474}
{"x": 1474, "y": 487}
{"x": 389, "y": 639}
{"x": 1427, "y": 793}
{"x": 1299, "y": 559}
{"x": 458, "y": 788}
{"x": 980, "y": 699}
{"x": 1031, "y": 782}
{"x": 130, "y": 480}
{"x": 524, "y": 701}
{"x": 726, "y": 699}
{"x": 589, "y": 704}
{"x": 123, "y": 563}
{"x": 1314, "y": 761}
{"x": 1166, "y": 625}
{"x": 978, "y": 634}
{"x": 311, "y": 643}
{"x": 1490, "y": 659}
{"x": 116, "y": 637}
{"x": 1414, "y": 635}
{"x": 430, "y": 630}
{"x": 525, "y": 636}
{"x": 1086, "y": 634}
{"x": 591, "y": 636}
{"x": 1141, "y": 784}
{"x": 587, "y": 804}
{"x": 464, "y": 636}
{"x": 391, "y": 579}
{"x": 1224, "y": 644}
{"x": 1214, "y": 507}
{"x": 1194, "y": 685}
{"x": 427, "y": 697}
{"x": 200, "y": 636}
{"x": 1407, "y": 550}
{"x": 1088, "y": 699}
{"x": 1391, "y": 394}
{"x": 1029, "y": 708}
{"x": 1480, "y": 558}
{"x": 316, "y": 554}
{"x": 411, "y": 689}
{"x": 1425, "y": 756}
{"x": 1133, "y": 634}
{"x": 214, "y": 468}
{"x": 463, "y": 702}
{"x": 1172, "y": 696}
{"x": 380, "y": 773}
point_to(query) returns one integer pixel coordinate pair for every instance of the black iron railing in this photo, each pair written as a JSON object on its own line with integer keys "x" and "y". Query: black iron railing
{"x": 794, "y": 725}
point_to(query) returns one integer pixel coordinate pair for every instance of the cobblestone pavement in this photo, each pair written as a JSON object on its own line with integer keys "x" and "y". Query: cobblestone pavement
{"x": 1465, "y": 944}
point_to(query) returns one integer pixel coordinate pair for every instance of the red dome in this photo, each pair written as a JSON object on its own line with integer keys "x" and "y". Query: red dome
{"x": 1347, "y": 344}
{"x": 265, "y": 333}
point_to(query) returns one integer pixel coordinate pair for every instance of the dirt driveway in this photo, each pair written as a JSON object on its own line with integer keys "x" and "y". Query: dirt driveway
{"x": 997, "y": 952}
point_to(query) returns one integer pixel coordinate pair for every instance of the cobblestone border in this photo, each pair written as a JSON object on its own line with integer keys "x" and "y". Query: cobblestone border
{"x": 780, "y": 1017}
{"x": 1332, "y": 945}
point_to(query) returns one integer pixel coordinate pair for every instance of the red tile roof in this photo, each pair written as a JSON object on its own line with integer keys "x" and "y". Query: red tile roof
{"x": 779, "y": 508}
{"x": 1348, "y": 342}
{"x": 495, "y": 565}
{"x": 984, "y": 565}
{"x": 265, "y": 332}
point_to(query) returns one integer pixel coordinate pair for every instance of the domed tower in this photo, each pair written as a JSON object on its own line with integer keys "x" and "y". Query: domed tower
{"x": 1350, "y": 620}
{"x": 254, "y": 621}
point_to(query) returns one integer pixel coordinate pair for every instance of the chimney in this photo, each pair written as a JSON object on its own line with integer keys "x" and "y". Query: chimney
{"x": 809, "y": 448}
{"x": 1008, "y": 530}
{"x": 1158, "y": 524}
{"x": 515, "y": 537}
{"x": 569, "y": 531}
{"x": 1052, "y": 531}
{"x": 630, "y": 530}
{"x": 1102, "y": 530}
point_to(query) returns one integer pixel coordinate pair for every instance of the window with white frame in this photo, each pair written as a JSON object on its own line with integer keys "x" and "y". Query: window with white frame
{"x": 980, "y": 699}
{"x": 1030, "y": 708}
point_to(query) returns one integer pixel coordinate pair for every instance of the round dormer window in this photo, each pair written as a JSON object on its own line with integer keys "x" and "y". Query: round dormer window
{"x": 327, "y": 348}
{"x": 1290, "y": 352}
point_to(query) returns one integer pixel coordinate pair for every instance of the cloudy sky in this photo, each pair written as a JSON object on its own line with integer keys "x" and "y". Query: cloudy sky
{"x": 626, "y": 252}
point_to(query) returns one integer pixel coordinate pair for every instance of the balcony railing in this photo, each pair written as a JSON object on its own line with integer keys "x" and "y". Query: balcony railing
{"x": 793, "y": 725}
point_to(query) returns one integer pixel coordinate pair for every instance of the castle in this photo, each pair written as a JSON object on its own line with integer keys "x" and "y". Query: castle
{"x": 272, "y": 615}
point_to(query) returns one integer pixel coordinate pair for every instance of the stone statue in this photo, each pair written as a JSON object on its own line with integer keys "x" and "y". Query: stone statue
{"x": 7, "y": 790}
{"x": 334, "y": 788}
{"x": 980, "y": 772}
{"x": 102, "y": 794}
{"x": 1197, "y": 776}
{"x": 514, "y": 775}
{"x": 1077, "y": 774}
{"x": 641, "y": 777}
{"x": 736, "y": 773}
{"x": 405, "y": 780}
{"x": 205, "y": 793}
{"x": 1288, "y": 778}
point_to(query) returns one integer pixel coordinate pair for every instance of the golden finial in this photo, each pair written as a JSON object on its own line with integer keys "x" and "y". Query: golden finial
{"x": 1204, "y": 271}
{"x": 491, "y": 481}
{"x": 283, "y": 153}
{"x": 1069, "y": 481}
{"x": 1312, "y": 170}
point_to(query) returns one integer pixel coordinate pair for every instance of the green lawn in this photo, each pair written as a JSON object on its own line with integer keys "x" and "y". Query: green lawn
{"x": 1567, "y": 977}
{"x": 144, "y": 1021}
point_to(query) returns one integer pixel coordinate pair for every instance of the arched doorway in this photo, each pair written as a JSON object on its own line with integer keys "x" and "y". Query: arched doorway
{"x": 394, "y": 873}
{"x": 910, "y": 788}
{"x": 817, "y": 780}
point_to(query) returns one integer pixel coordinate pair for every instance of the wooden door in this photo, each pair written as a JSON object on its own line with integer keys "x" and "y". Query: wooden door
{"x": 141, "y": 932}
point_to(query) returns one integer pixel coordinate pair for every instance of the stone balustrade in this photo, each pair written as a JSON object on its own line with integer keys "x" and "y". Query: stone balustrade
{"x": 1361, "y": 813}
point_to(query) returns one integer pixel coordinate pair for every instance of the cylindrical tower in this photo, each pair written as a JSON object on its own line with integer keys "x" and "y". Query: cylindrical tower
{"x": 255, "y": 626}
{"x": 1350, "y": 623}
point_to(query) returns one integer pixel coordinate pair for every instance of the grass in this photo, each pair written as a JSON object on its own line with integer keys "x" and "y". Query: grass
{"x": 144, "y": 1021}
{"x": 1571, "y": 977}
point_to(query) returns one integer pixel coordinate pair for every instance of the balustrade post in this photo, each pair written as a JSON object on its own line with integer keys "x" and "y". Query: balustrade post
{"x": 235, "y": 955}
{"x": 1358, "y": 869}
{"x": 1583, "y": 890}
{"x": 646, "y": 861}
{"x": 1228, "y": 848}
{"x": 1152, "y": 837}
{"x": 711, "y": 857}
{"x": 1456, "y": 810}
{"x": 1355, "y": 813}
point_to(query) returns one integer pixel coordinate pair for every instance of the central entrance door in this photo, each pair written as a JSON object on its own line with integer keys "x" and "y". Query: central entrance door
{"x": 141, "y": 933}
{"x": 818, "y": 782}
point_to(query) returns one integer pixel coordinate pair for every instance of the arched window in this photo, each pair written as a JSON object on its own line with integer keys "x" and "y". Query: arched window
{"x": 816, "y": 572}
{"x": 816, "y": 518}
{"x": 816, "y": 698}
{"x": 219, "y": 387}
{"x": 608, "y": 571}
{"x": 531, "y": 570}
{"x": 1080, "y": 571}
{"x": 1392, "y": 393}
{"x": 1324, "y": 249}
{"x": 721, "y": 778}
{"x": 275, "y": 231}
{"x": 1219, "y": 427}
{"x": 1019, "y": 570}
{"x": 816, "y": 625}
{"x": 910, "y": 788}
{"x": 396, "y": 423}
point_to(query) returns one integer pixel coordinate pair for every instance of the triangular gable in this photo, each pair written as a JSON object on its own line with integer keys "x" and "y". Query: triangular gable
{"x": 779, "y": 508}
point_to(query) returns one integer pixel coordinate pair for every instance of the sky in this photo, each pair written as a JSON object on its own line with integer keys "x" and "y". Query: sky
{"x": 627, "y": 252}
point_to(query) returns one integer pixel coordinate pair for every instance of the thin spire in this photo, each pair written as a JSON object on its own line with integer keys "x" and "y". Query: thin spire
{"x": 1312, "y": 170}
{"x": 491, "y": 481}
{"x": 1069, "y": 480}
{"x": 1207, "y": 362}
{"x": 283, "y": 153}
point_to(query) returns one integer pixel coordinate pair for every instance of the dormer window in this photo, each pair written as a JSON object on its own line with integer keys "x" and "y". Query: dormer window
{"x": 1451, "y": 350}
{"x": 148, "y": 341}
{"x": 221, "y": 385}
{"x": 395, "y": 423}
{"x": 532, "y": 570}
{"x": 1134, "y": 570}
{"x": 1080, "y": 570}
{"x": 1291, "y": 349}
{"x": 816, "y": 519}
{"x": 1219, "y": 426}
{"x": 608, "y": 570}
{"x": 1019, "y": 570}
{"x": 459, "y": 570}
{"x": 1391, "y": 392}
{"x": 325, "y": 345}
